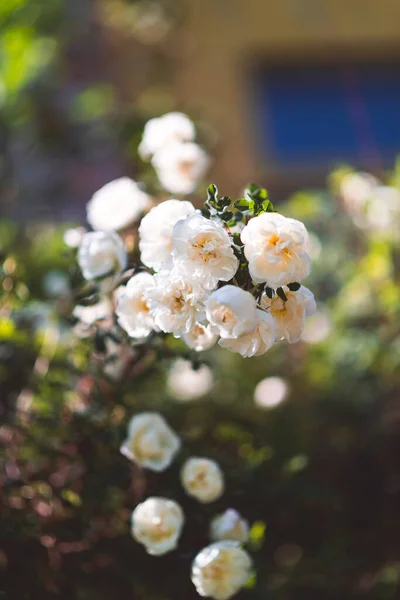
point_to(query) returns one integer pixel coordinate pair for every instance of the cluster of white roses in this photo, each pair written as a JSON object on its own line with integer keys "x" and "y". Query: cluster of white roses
{"x": 200, "y": 280}
{"x": 223, "y": 567}
{"x": 192, "y": 256}
{"x": 229, "y": 274}
{"x": 188, "y": 257}
{"x": 372, "y": 205}
{"x": 178, "y": 161}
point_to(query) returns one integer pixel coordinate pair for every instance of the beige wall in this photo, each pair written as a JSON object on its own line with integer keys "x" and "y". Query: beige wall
{"x": 225, "y": 38}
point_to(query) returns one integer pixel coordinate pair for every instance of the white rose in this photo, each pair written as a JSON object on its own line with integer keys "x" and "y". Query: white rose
{"x": 88, "y": 315}
{"x": 202, "y": 249}
{"x": 356, "y": 189}
{"x": 229, "y": 526}
{"x": 157, "y": 524}
{"x": 172, "y": 127}
{"x": 383, "y": 210}
{"x": 155, "y": 231}
{"x": 101, "y": 253}
{"x": 176, "y": 303}
{"x": 276, "y": 248}
{"x": 317, "y": 328}
{"x": 220, "y": 570}
{"x": 73, "y": 237}
{"x": 116, "y": 205}
{"x": 132, "y": 307}
{"x": 200, "y": 337}
{"x": 186, "y": 383}
{"x": 290, "y": 316}
{"x": 232, "y": 312}
{"x": 180, "y": 166}
{"x": 151, "y": 443}
{"x": 203, "y": 479}
{"x": 255, "y": 343}
{"x": 270, "y": 392}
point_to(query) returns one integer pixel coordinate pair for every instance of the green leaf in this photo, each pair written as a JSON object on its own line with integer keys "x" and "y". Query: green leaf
{"x": 260, "y": 198}
{"x": 281, "y": 294}
{"x": 257, "y": 535}
{"x": 238, "y": 253}
{"x": 242, "y": 205}
{"x": 224, "y": 201}
{"x": 212, "y": 193}
{"x": 71, "y": 497}
{"x": 226, "y": 216}
{"x": 253, "y": 188}
{"x": 269, "y": 292}
{"x": 293, "y": 287}
{"x": 259, "y": 194}
{"x": 267, "y": 206}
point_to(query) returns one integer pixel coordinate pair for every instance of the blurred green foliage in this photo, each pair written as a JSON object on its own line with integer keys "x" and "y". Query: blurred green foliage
{"x": 317, "y": 475}
{"x": 66, "y": 124}
{"x": 27, "y": 43}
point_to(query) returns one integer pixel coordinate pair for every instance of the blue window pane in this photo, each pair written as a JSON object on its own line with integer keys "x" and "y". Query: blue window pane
{"x": 323, "y": 115}
{"x": 381, "y": 90}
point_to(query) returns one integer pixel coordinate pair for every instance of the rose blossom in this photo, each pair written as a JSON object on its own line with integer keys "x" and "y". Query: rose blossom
{"x": 202, "y": 249}
{"x": 356, "y": 189}
{"x": 270, "y": 392}
{"x": 157, "y": 524}
{"x": 232, "y": 312}
{"x": 317, "y": 327}
{"x": 276, "y": 248}
{"x": 371, "y": 204}
{"x": 180, "y": 166}
{"x": 171, "y": 127}
{"x": 175, "y": 302}
{"x": 290, "y": 316}
{"x": 101, "y": 253}
{"x": 88, "y": 315}
{"x": 200, "y": 337}
{"x": 229, "y": 526}
{"x": 202, "y": 478}
{"x": 186, "y": 383}
{"x": 116, "y": 205}
{"x": 220, "y": 570}
{"x": 155, "y": 231}
{"x": 133, "y": 309}
{"x": 151, "y": 443}
{"x": 383, "y": 210}
{"x": 255, "y": 343}
{"x": 73, "y": 236}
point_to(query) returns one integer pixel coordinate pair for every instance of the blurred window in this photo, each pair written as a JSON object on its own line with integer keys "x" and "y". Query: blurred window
{"x": 325, "y": 114}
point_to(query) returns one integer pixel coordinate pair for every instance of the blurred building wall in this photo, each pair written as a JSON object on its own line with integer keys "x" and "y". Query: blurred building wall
{"x": 198, "y": 56}
{"x": 227, "y": 39}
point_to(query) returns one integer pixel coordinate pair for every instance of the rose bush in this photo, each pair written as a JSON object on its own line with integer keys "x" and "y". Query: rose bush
{"x": 299, "y": 461}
